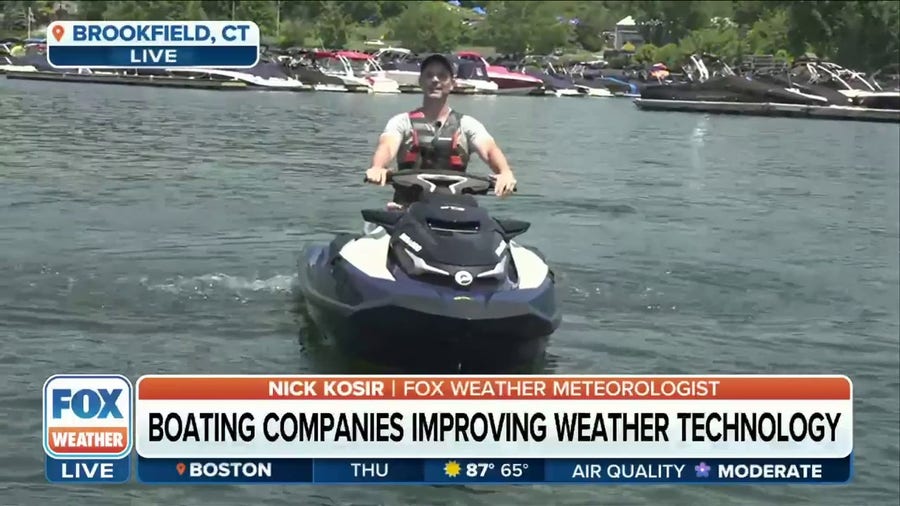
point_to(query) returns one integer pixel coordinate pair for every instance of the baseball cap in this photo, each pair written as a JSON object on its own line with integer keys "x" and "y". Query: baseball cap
{"x": 438, "y": 57}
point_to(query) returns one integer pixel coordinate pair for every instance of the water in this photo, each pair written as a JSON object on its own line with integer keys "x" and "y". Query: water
{"x": 156, "y": 231}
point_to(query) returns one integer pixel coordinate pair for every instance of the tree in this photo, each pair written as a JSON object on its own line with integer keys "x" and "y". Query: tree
{"x": 428, "y": 26}
{"x": 333, "y": 26}
{"x": 593, "y": 19}
{"x": 260, "y": 12}
{"x": 525, "y": 27}
{"x": 661, "y": 22}
{"x": 770, "y": 34}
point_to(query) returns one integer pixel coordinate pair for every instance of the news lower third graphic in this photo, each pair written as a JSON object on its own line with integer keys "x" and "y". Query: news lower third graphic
{"x": 413, "y": 429}
{"x": 153, "y": 44}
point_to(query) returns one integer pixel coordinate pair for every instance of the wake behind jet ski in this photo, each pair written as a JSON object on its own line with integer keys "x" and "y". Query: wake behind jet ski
{"x": 441, "y": 283}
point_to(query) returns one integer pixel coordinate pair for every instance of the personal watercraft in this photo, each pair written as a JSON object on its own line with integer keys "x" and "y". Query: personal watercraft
{"x": 440, "y": 282}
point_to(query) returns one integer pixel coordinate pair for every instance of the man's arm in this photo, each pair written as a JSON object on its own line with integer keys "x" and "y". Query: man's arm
{"x": 389, "y": 142}
{"x": 485, "y": 145}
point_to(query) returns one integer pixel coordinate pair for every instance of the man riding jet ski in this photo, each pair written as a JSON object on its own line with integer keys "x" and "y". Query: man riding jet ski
{"x": 435, "y": 136}
{"x": 435, "y": 281}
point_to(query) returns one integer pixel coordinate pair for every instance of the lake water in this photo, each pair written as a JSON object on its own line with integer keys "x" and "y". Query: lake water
{"x": 157, "y": 231}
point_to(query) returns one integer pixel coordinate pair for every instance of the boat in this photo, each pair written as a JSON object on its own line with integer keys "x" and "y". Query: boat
{"x": 723, "y": 85}
{"x": 29, "y": 62}
{"x": 264, "y": 75}
{"x": 595, "y": 84}
{"x": 399, "y": 64}
{"x": 554, "y": 83}
{"x": 850, "y": 83}
{"x": 357, "y": 71}
{"x": 508, "y": 82}
{"x": 442, "y": 283}
{"x": 302, "y": 65}
{"x": 475, "y": 74}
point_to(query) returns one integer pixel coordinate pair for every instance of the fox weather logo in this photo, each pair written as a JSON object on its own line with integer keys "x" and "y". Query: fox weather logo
{"x": 87, "y": 416}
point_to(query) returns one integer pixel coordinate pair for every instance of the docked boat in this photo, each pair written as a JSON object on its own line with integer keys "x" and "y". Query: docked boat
{"x": 358, "y": 71}
{"x": 595, "y": 84}
{"x": 264, "y": 75}
{"x": 723, "y": 85}
{"x": 475, "y": 74}
{"x": 554, "y": 83}
{"x": 852, "y": 84}
{"x": 29, "y": 62}
{"x": 508, "y": 82}
{"x": 302, "y": 65}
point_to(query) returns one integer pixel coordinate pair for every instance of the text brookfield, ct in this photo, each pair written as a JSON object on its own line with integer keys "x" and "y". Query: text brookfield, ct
{"x": 153, "y": 44}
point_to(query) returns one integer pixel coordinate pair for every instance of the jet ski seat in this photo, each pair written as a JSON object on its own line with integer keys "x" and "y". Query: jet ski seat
{"x": 449, "y": 213}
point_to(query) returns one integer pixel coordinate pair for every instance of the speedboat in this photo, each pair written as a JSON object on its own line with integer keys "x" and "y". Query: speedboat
{"x": 723, "y": 85}
{"x": 265, "y": 75}
{"x": 508, "y": 82}
{"x": 850, "y": 83}
{"x": 555, "y": 84}
{"x": 439, "y": 284}
{"x": 357, "y": 70}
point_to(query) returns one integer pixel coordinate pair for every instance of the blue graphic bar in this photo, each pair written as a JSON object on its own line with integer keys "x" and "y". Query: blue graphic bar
{"x": 93, "y": 471}
{"x": 496, "y": 471}
{"x": 152, "y": 56}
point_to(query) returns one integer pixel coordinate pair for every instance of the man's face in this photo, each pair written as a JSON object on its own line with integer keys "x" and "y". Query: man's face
{"x": 436, "y": 80}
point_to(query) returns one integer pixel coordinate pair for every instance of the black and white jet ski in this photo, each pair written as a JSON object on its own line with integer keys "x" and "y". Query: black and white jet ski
{"x": 441, "y": 282}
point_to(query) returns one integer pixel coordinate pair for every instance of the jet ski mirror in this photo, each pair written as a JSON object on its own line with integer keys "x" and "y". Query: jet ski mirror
{"x": 380, "y": 217}
{"x": 512, "y": 228}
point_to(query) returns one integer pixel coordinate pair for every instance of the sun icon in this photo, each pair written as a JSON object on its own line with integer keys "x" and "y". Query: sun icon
{"x": 452, "y": 469}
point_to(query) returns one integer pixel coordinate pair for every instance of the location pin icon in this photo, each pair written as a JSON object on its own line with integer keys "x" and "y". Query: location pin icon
{"x": 180, "y": 468}
{"x": 58, "y": 31}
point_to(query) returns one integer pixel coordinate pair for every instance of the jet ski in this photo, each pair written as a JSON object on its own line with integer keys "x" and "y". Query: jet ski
{"x": 440, "y": 283}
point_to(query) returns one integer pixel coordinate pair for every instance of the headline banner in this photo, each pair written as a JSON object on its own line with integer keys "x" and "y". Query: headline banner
{"x": 493, "y": 417}
{"x": 153, "y": 44}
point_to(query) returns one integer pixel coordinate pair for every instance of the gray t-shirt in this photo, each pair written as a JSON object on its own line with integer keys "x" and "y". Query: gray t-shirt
{"x": 474, "y": 133}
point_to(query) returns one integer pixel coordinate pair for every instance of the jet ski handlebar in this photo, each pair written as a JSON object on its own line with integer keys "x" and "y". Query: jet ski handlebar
{"x": 441, "y": 181}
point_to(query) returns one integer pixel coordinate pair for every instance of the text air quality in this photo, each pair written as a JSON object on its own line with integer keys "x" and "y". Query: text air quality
{"x": 157, "y": 33}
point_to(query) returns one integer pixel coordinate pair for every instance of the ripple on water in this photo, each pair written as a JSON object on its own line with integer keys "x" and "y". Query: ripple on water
{"x": 157, "y": 231}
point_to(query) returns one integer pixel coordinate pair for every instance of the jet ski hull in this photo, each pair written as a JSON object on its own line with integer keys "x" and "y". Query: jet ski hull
{"x": 412, "y": 324}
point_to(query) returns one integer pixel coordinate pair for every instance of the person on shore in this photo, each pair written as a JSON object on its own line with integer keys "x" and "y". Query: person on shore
{"x": 436, "y": 137}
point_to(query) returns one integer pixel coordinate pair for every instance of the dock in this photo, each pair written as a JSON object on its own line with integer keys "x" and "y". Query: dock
{"x": 156, "y": 81}
{"x": 772, "y": 109}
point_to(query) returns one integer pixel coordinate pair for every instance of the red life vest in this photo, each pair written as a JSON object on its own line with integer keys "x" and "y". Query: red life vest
{"x": 430, "y": 148}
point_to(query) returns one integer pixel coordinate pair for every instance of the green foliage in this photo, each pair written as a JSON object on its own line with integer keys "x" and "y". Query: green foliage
{"x": 723, "y": 41}
{"x": 293, "y": 33}
{"x": 770, "y": 34}
{"x": 526, "y": 27}
{"x": 333, "y": 26}
{"x": 429, "y": 26}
